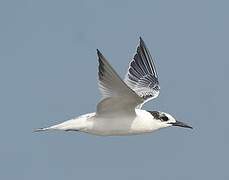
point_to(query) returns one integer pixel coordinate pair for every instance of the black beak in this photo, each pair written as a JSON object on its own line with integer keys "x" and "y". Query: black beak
{"x": 181, "y": 124}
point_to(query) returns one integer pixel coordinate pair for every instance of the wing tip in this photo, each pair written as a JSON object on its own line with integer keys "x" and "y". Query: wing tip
{"x": 98, "y": 52}
{"x": 100, "y": 55}
{"x": 142, "y": 43}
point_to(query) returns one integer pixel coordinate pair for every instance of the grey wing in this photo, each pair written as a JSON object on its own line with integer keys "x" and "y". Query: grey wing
{"x": 142, "y": 75}
{"x": 117, "y": 96}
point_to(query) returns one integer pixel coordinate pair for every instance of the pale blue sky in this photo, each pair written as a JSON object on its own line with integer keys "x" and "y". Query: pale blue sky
{"x": 48, "y": 72}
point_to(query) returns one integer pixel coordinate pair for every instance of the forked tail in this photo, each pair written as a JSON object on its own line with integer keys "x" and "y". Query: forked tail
{"x": 41, "y": 129}
{"x": 75, "y": 124}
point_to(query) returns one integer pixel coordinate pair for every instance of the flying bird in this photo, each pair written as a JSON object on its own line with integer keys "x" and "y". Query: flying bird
{"x": 119, "y": 112}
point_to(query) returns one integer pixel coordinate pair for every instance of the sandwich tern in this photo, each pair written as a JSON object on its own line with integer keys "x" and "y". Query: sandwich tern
{"x": 119, "y": 112}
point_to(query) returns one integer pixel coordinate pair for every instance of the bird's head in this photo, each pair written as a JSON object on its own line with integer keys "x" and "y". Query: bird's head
{"x": 166, "y": 120}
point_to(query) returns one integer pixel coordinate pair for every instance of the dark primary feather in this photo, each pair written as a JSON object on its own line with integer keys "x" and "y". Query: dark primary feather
{"x": 142, "y": 75}
{"x": 117, "y": 96}
{"x": 110, "y": 84}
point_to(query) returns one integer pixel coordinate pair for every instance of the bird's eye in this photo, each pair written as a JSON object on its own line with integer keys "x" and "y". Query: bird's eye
{"x": 164, "y": 118}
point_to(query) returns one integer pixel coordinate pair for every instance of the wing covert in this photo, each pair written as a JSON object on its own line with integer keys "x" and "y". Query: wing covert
{"x": 117, "y": 96}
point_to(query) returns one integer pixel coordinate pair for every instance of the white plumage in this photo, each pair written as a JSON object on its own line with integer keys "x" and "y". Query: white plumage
{"x": 119, "y": 113}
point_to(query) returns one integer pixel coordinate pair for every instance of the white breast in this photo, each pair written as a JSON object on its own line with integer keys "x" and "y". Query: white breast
{"x": 143, "y": 122}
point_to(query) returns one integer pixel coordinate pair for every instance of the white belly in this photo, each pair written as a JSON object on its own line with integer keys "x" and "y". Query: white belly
{"x": 123, "y": 125}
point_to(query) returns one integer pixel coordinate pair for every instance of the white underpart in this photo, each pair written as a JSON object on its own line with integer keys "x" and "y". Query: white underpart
{"x": 117, "y": 113}
{"x": 143, "y": 122}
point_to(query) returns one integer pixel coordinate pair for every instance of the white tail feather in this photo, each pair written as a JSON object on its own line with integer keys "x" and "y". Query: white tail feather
{"x": 75, "y": 124}
{"x": 41, "y": 129}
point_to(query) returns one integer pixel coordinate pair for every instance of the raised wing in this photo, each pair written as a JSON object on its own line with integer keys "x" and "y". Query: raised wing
{"x": 117, "y": 96}
{"x": 142, "y": 75}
